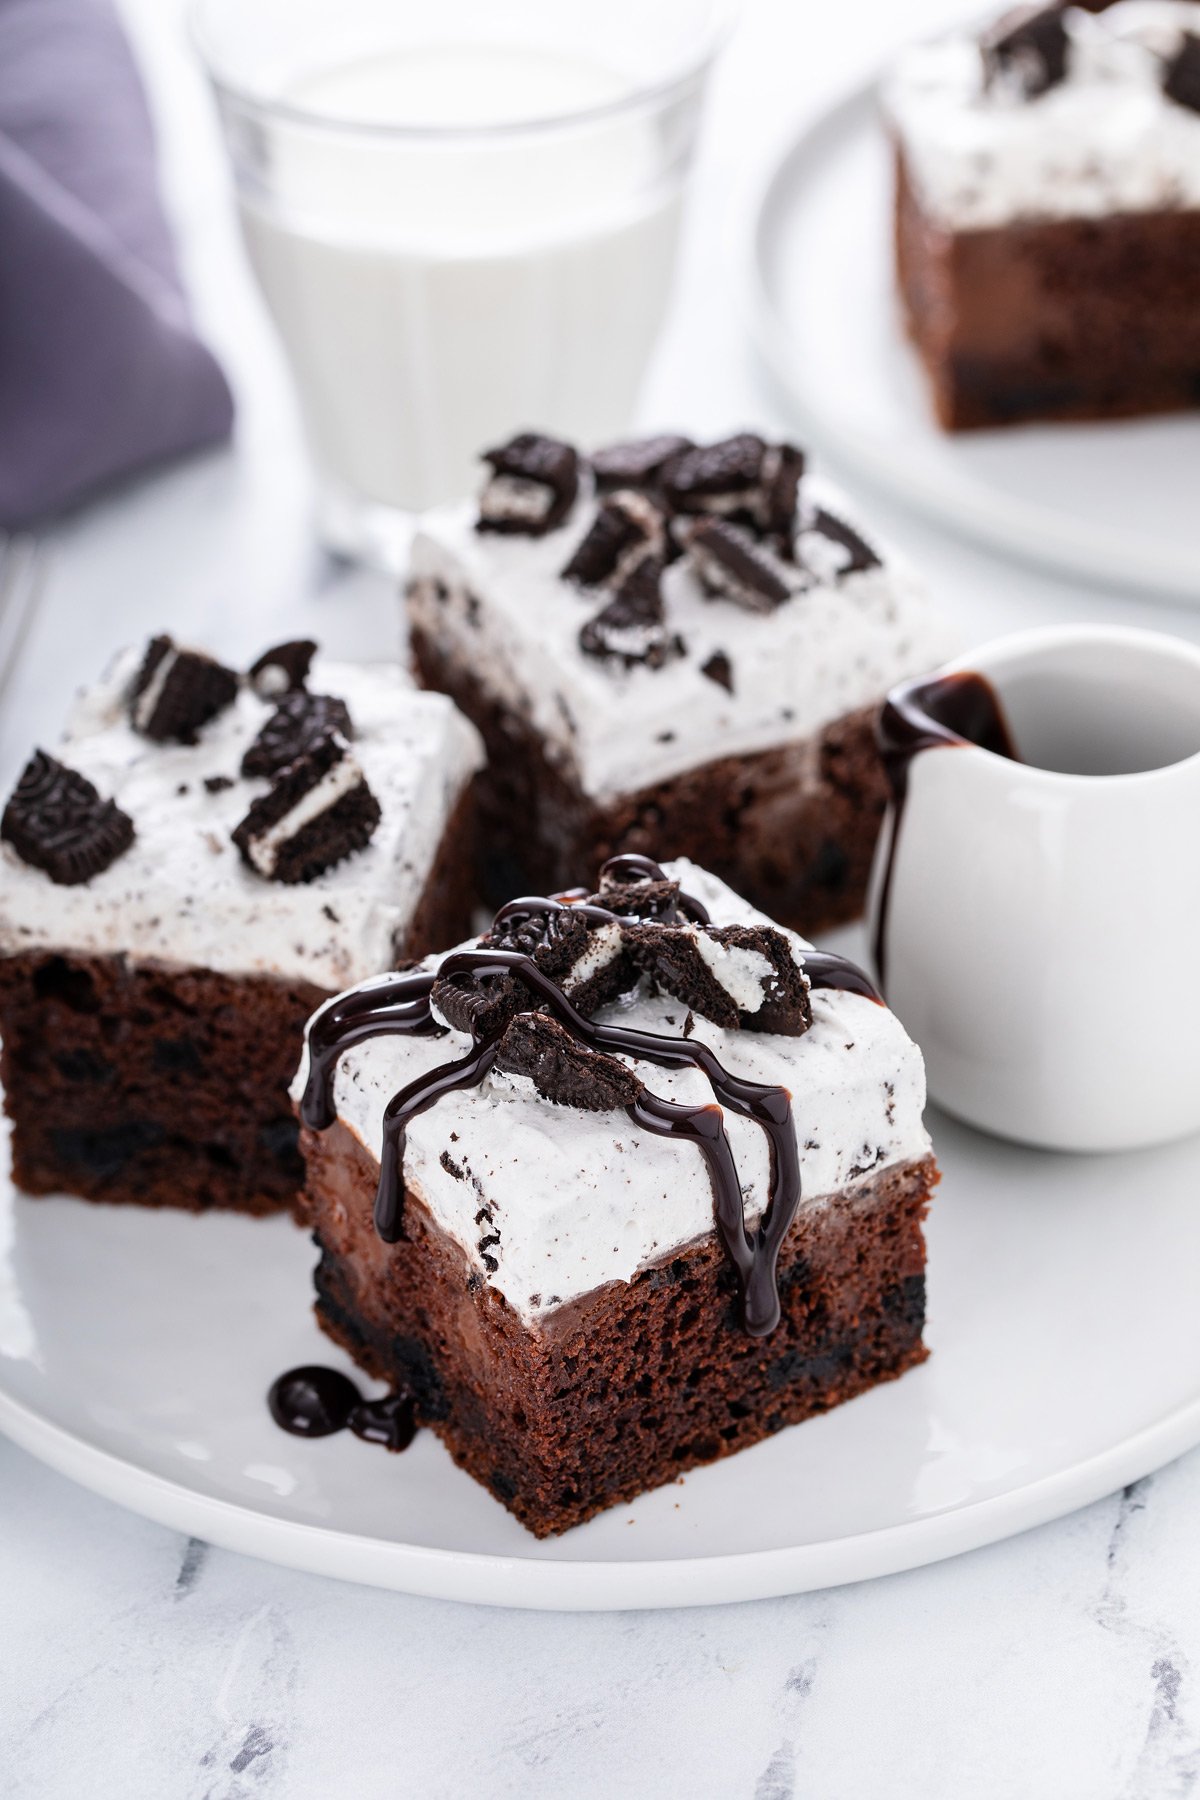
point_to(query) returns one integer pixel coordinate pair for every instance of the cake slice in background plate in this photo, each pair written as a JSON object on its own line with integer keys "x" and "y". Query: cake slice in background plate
{"x": 671, "y": 649}
{"x": 204, "y": 858}
{"x": 634, "y": 1182}
{"x": 1048, "y": 212}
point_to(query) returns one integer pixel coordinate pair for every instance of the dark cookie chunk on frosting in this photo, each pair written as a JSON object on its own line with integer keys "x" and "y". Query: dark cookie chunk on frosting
{"x": 579, "y": 950}
{"x": 176, "y": 691}
{"x": 300, "y": 721}
{"x": 722, "y": 478}
{"x": 562, "y": 1069}
{"x": 830, "y": 549}
{"x": 283, "y": 668}
{"x": 630, "y": 630}
{"x": 319, "y": 811}
{"x": 718, "y": 668}
{"x": 654, "y": 899}
{"x": 730, "y": 565}
{"x": 56, "y": 821}
{"x": 627, "y": 527}
{"x": 532, "y": 488}
{"x": 735, "y": 975}
{"x": 638, "y": 463}
{"x": 1025, "y": 52}
{"x": 780, "y": 476}
{"x": 1181, "y": 77}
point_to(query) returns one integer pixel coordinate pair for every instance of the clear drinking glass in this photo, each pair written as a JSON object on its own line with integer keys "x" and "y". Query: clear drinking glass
{"x": 463, "y": 216}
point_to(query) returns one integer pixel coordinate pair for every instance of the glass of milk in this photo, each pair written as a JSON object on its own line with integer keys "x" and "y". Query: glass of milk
{"x": 463, "y": 215}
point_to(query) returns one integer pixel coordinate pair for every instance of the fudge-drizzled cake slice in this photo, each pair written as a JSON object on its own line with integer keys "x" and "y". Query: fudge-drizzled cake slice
{"x": 671, "y": 649}
{"x": 204, "y": 859}
{"x": 1048, "y": 212}
{"x": 626, "y": 1185}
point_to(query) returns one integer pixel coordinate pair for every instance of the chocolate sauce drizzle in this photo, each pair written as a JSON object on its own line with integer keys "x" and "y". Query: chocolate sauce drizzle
{"x": 401, "y": 1004}
{"x": 956, "y": 710}
{"x": 315, "y": 1402}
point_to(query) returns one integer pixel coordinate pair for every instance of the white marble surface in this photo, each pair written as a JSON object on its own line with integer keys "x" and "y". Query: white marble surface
{"x": 1059, "y": 1666}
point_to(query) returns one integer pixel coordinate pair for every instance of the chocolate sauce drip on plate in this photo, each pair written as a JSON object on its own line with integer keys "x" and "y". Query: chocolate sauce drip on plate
{"x": 315, "y": 1402}
{"x": 402, "y": 1004}
{"x": 958, "y": 709}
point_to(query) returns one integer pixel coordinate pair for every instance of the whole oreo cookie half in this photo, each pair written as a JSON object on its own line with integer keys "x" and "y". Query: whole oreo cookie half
{"x": 1025, "y": 52}
{"x": 300, "y": 721}
{"x": 562, "y": 1070}
{"x": 56, "y": 821}
{"x": 532, "y": 488}
{"x": 1181, "y": 77}
{"x": 319, "y": 811}
{"x": 176, "y": 691}
{"x": 638, "y": 463}
{"x": 630, "y": 630}
{"x": 282, "y": 669}
{"x": 731, "y": 565}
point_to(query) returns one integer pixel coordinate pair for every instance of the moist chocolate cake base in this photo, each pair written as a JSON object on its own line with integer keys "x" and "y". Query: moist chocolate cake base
{"x": 637, "y": 1382}
{"x": 162, "y": 1085}
{"x": 793, "y": 828}
{"x": 1054, "y": 319}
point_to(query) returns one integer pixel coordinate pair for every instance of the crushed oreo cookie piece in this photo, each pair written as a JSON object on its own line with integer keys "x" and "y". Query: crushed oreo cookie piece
{"x": 532, "y": 487}
{"x": 630, "y": 630}
{"x": 638, "y": 463}
{"x": 216, "y": 784}
{"x": 300, "y": 721}
{"x": 654, "y": 899}
{"x": 584, "y": 955}
{"x": 319, "y": 811}
{"x": 1025, "y": 52}
{"x": 1181, "y": 76}
{"x": 723, "y": 478}
{"x": 283, "y": 668}
{"x": 176, "y": 691}
{"x": 730, "y": 565}
{"x": 563, "y": 1070}
{"x": 56, "y": 821}
{"x": 830, "y": 549}
{"x": 739, "y": 976}
{"x": 779, "y": 482}
{"x": 627, "y": 527}
{"x": 718, "y": 668}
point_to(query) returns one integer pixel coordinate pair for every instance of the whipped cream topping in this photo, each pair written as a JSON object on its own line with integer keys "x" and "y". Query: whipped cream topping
{"x": 1104, "y": 140}
{"x": 503, "y": 609}
{"x": 575, "y": 1199}
{"x": 181, "y": 894}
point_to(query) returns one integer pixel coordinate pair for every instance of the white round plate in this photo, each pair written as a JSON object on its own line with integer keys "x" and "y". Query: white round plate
{"x": 1114, "y": 503}
{"x": 136, "y": 1349}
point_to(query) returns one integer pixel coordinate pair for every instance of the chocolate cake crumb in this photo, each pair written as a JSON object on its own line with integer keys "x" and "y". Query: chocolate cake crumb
{"x": 176, "y": 691}
{"x": 298, "y": 724}
{"x": 719, "y": 669}
{"x": 532, "y": 488}
{"x": 283, "y": 668}
{"x": 56, "y": 821}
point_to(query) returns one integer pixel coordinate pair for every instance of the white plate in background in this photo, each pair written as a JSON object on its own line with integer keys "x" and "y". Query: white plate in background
{"x": 1114, "y": 503}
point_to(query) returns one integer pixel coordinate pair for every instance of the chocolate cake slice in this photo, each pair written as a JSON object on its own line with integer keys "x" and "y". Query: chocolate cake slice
{"x": 686, "y": 657}
{"x": 204, "y": 859}
{"x": 1047, "y": 228}
{"x": 596, "y": 1232}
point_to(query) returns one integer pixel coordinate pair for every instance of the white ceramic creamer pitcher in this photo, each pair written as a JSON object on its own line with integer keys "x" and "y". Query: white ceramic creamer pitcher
{"x": 1036, "y": 894}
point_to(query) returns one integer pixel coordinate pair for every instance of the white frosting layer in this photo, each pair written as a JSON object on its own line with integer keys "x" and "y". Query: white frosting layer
{"x": 579, "y": 1199}
{"x": 1107, "y": 139}
{"x": 515, "y": 623}
{"x": 182, "y": 894}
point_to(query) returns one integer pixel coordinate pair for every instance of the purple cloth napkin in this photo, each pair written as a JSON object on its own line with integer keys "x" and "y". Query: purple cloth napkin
{"x": 100, "y": 370}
